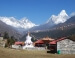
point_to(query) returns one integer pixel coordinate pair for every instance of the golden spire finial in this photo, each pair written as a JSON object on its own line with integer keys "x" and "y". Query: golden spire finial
{"x": 28, "y": 33}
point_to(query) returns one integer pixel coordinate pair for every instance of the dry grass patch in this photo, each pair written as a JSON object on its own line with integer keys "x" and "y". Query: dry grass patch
{"x": 11, "y": 53}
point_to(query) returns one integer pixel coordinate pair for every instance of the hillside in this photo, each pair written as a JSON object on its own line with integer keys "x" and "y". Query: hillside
{"x": 52, "y": 21}
{"x": 57, "y": 33}
{"x": 61, "y": 30}
{"x": 11, "y": 31}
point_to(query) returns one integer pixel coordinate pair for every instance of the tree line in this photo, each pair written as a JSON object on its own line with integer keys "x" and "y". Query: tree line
{"x": 10, "y": 39}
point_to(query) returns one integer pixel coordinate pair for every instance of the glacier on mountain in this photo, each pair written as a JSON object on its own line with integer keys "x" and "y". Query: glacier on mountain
{"x": 24, "y": 23}
{"x": 61, "y": 18}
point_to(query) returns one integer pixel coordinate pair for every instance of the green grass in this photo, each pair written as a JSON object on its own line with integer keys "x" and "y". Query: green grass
{"x": 11, "y": 53}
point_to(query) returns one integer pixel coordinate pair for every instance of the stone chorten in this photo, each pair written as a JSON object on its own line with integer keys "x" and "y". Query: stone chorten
{"x": 28, "y": 42}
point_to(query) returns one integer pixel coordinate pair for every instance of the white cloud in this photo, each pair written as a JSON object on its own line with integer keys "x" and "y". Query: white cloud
{"x": 72, "y": 14}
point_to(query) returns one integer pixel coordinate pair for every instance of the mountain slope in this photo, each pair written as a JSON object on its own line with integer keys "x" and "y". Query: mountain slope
{"x": 65, "y": 29}
{"x": 60, "y": 18}
{"x": 9, "y": 30}
{"x": 18, "y": 24}
{"x": 25, "y": 25}
{"x": 52, "y": 21}
{"x": 70, "y": 23}
{"x": 61, "y": 30}
{"x": 71, "y": 20}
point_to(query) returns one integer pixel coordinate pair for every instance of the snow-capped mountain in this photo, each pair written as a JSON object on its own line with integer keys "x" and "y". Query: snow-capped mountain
{"x": 52, "y": 21}
{"x": 11, "y": 31}
{"x": 24, "y": 23}
{"x": 60, "y": 18}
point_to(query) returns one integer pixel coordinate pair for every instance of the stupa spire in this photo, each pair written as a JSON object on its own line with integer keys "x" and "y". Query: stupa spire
{"x": 28, "y": 33}
{"x": 28, "y": 42}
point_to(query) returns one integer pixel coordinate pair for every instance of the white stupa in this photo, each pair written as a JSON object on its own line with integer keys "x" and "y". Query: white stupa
{"x": 28, "y": 42}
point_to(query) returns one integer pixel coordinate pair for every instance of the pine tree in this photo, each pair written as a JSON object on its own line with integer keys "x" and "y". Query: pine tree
{"x": 6, "y": 36}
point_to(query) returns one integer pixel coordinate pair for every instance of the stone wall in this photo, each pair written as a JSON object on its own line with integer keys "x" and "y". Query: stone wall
{"x": 16, "y": 47}
{"x": 66, "y": 46}
{"x": 1, "y": 38}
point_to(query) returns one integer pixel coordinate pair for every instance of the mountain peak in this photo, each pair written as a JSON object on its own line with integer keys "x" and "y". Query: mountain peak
{"x": 60, "y": 18}
{"x": 24, "y": 23}
{"x": 25, "y": 20}
{"x": 63, "y": 12}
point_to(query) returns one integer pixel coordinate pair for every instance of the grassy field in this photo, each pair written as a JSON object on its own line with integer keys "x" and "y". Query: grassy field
{"x": 11, "y": 53}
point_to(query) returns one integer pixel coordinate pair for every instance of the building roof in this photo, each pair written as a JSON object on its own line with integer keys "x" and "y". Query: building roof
{"x": 55, "y": 41}
{"x": 18, "y": 43}
{"x": 39, "y": 41}
{"x": 47, "y": 39}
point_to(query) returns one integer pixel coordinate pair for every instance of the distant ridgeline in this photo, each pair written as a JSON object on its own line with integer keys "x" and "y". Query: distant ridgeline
{"x": 72, "y": 37}
{"x": 70, "y": 33}
{"x": 66, "y": 29}
{"x": 55, "y": 33}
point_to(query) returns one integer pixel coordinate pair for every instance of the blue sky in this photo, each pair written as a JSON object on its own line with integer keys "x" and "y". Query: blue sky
{"x": 37, "y": 11}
